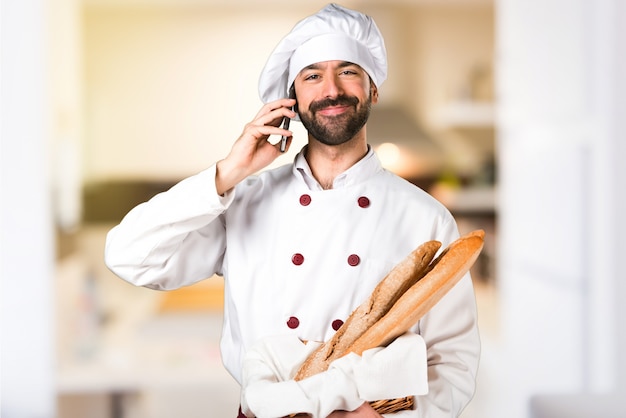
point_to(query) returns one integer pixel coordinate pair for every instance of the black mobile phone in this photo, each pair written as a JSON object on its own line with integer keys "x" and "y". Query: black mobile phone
{"x": 286, "y": 120}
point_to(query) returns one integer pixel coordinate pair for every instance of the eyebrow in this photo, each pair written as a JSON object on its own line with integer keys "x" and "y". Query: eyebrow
{"x": 317, "y": 66}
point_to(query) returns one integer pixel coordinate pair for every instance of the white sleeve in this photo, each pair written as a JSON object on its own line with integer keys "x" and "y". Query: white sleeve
{"x": 162, "y": 243}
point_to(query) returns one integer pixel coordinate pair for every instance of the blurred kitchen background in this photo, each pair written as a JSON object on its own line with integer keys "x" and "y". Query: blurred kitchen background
{"x": 508, "y": 111}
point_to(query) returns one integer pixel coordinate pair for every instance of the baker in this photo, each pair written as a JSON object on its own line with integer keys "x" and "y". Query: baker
{"x": 302, "y": 245}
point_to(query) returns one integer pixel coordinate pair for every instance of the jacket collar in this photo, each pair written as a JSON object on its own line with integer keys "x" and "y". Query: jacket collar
{"x": 365, "y": 168}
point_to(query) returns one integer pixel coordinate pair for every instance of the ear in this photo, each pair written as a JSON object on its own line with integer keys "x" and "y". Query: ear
{"x": 373, "y": 93}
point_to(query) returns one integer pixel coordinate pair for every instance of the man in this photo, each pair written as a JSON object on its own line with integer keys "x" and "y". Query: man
{"x": 301, "y": 246}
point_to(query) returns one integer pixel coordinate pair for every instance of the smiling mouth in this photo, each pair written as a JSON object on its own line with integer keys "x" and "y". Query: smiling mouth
{"x": 333, "y": 110}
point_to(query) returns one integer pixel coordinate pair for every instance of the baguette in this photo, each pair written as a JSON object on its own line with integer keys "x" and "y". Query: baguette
{"x": 444, "y": 274}
{"x": 387, "y": 292}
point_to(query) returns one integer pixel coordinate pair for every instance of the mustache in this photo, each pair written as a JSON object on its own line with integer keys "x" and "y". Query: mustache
{"x": 337, "y": 101}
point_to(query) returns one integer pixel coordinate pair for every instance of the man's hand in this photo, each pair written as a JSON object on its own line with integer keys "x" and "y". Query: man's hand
{"x": 252, "y": 151}
{"x": 363, "y": 411}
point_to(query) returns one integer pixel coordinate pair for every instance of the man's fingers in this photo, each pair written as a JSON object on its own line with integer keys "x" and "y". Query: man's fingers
{"x": 276, "y": 104}
{"x": 263, "y": 132}
{"x": 273, "y": 112}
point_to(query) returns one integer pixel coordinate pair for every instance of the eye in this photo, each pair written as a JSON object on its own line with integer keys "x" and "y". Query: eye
{"x": 349, "y": 72}
{"x": 312, "y": 77}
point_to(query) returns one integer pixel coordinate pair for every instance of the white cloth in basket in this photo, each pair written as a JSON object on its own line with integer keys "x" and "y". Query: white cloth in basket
{"x": 269, "y": 390}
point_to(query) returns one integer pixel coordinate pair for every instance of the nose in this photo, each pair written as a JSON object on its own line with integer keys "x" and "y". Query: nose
{"x": 332, "y": 86}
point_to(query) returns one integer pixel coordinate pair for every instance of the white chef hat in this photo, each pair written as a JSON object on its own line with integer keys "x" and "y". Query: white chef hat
{"x": 333, "y": 33}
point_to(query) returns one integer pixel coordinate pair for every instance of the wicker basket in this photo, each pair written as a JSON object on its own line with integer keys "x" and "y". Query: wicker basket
{"x": 389, "y": 406}
{"x": 386, "y": 406}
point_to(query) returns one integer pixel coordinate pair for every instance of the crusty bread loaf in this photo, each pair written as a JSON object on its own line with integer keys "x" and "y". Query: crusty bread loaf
{"x": 386, "y": 293}
{"x": 408, "y": 292}
{"x": 444, "y": 274}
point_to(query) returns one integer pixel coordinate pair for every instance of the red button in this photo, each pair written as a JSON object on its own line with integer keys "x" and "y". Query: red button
{"x": 354, "y": 260}
{"x": 297, "y": 259}
{"x": 305, "y": 199}
{"x": 364, "y": 202}
{"x": 337, "y": 323}
{"x": 293, "y": 322}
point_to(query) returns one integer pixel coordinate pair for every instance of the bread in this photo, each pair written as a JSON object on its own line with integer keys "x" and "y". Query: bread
{"x": 444, "y": 274}
{"x": 386, "y": 293}
{"x": 408, "y": 292}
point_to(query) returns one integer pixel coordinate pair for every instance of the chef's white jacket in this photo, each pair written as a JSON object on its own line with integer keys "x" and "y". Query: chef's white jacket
{"x": 297, "y": 259}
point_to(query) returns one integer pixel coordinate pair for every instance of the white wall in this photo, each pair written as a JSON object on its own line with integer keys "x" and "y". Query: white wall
{"x": 559, "y": 146}
{"x": 26, "y": 256}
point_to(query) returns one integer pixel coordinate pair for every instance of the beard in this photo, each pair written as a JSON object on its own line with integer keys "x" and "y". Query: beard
{"x": 339, "y": 129}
